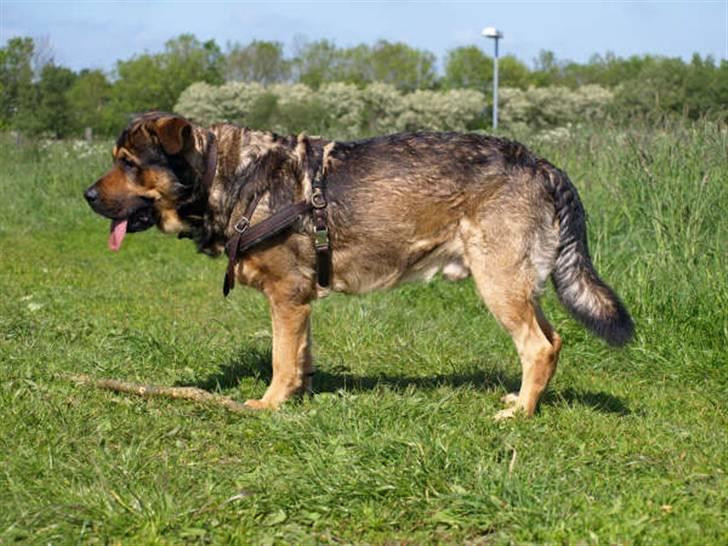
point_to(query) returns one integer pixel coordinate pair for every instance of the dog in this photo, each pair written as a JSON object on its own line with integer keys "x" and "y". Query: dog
{"x": 395, "y": 208}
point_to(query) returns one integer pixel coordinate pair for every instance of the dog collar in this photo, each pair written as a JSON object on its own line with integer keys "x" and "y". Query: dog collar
{"x": 211, "y": 167}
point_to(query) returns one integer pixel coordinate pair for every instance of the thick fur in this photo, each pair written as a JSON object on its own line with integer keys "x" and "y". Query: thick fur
{"x": 577, "y": 284}
{"x": 400, "y": 207}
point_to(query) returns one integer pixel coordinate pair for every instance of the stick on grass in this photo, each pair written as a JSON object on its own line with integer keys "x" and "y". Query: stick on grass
{"x": 179, "y": 393}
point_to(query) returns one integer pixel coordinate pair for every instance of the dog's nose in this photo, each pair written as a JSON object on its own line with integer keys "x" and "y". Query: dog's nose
{"x": 91, "y": 194}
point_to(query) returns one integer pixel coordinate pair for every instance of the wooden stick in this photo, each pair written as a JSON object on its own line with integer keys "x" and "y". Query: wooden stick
{"x": 180, "y": 393}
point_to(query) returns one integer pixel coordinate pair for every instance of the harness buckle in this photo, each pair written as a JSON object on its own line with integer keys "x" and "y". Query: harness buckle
{"x": 317, "y": 199}
{"x": 242, "y": 225}
{"x": 321, "y": 239}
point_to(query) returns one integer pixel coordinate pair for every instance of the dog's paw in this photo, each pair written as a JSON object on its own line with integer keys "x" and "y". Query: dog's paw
{"x": 510, "y": 399}
{"x": 508, "y": 413}
{"x": 258, "y": 405}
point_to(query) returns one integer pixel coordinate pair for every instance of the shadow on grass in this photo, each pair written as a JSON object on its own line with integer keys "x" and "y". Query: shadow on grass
{"x": 256, "y": 364}
{"x": 486, "y": 380}
{"x": 248, "y": 364}
{"x": 599, "y": 401}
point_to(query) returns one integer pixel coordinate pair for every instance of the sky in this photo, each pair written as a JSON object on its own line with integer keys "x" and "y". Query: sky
{"x": 95, "y": 34}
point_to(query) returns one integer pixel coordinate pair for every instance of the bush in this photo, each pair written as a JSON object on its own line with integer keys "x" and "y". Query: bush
{"x": 342, "y": 110}
{"x": 454, "y": 110}
{"x": 383, "y": 105}
{"x": 337, "y": 109}
{"x": 545, "y": 107}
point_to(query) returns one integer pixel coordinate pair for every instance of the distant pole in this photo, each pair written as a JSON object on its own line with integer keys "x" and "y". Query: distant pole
{"x": 495, "y": 86}
{"x": 492, "y": 32}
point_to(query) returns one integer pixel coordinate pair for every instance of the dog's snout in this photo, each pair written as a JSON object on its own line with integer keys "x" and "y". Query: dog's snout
{"x": 91, "y": 194}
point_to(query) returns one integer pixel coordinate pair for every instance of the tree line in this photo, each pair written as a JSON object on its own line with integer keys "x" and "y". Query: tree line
{"x": 39, "y": 96}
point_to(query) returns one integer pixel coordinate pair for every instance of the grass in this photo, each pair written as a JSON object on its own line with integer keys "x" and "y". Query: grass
{"x": 629, "y": 446}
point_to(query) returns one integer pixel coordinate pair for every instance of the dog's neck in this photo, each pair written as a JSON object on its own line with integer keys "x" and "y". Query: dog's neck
{"x": 195, "y": 170}
{"x": 228, "y": 167}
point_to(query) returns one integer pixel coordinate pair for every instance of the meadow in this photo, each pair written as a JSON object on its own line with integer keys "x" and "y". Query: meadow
{"x": 398, "y": 446}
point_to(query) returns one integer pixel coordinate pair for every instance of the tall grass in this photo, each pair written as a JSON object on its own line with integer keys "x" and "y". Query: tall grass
{"x": 629, "y": 446}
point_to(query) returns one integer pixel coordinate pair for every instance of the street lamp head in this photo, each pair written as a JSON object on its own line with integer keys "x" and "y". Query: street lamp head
{"x": 492, "y": 32}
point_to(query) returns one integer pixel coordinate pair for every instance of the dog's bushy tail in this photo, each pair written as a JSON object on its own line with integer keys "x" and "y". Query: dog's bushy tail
{"x": 587, "y": 297}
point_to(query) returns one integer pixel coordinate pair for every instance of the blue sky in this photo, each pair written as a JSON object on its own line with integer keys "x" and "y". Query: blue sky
{"x": 94, "y": 34}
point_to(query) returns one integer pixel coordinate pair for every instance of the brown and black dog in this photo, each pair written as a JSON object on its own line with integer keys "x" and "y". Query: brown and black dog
{"x": 400, "y": 207}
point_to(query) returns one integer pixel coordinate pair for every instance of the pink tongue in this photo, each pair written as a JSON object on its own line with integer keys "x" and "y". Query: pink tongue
{"x": 118, "y": 231}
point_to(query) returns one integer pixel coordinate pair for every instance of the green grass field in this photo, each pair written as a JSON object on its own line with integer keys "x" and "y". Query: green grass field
{"x": 629, "y": 446}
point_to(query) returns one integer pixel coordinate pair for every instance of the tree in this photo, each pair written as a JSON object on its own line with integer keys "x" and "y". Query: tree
{"x": 355, "y": 65}
{"x": 259, "y": 61}
{"x": 706, "y": 87}
{"x": 654, "y": 89}
{"x": 37, "y": 106}
{"x": 155, "y": 81}
{"x": 547, "y": 70}
{"x": 16, "y": 79}
{"x": 53, "y": 113}
{"x": 404, "y": 67}
{"x": 188, "y": 58}
{"x": 468, "y": 67}
{"x": 398, "y": 64}
{"x": 89, "y": 98}
{"x": 513, "y": 73}
{"x": 316, "y": 63}
{"x": 42, "y": 55}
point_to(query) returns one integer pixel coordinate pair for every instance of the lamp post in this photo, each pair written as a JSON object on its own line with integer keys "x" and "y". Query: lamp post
{"x": 492, "y": 32}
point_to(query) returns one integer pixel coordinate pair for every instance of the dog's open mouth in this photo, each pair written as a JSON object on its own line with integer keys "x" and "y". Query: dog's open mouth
{"x": 139, "y": 220}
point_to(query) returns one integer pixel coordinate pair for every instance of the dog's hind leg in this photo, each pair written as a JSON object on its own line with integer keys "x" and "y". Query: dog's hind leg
{"x": 537, "y": 343}
{"x": 538, "y": 346}
{"x": 507, "y": 285}
{"x": 292, "y": 364}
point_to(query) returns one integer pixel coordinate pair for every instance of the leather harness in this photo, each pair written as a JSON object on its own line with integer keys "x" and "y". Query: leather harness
{"x": 247, "y": 236}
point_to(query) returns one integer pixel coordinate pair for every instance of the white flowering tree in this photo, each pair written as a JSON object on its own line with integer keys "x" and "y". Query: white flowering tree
{"x": 544, "y": 107}
{"x": 343, "y": 110}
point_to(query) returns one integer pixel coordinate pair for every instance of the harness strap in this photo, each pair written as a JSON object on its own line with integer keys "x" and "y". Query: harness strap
{"x": 211, "y": 166}
{"x": 233, "y": 244}
{"x": 322, "y": 244}
{"x": 247, "y": 236}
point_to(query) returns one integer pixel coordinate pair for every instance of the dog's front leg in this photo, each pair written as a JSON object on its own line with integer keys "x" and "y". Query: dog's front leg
{"x": 292, "y": 365}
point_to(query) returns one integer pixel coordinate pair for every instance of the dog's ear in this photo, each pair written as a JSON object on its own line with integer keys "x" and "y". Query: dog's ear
{"x": 174, "y": 133}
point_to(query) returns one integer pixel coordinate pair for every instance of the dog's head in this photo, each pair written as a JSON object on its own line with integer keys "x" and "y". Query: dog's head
{"x": 151, "y": 178}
